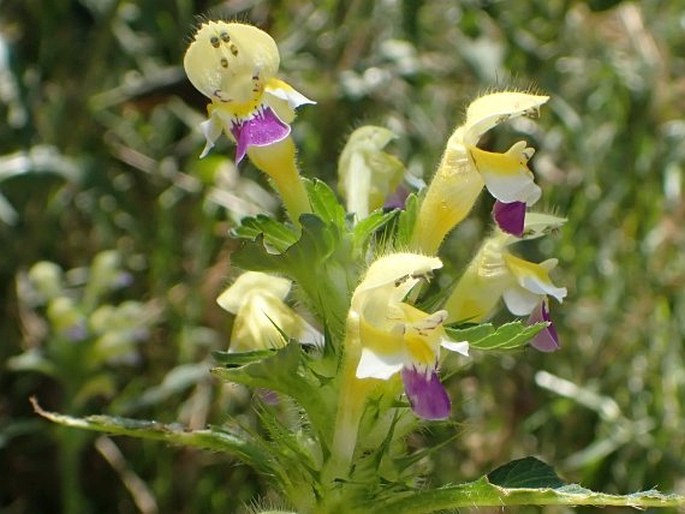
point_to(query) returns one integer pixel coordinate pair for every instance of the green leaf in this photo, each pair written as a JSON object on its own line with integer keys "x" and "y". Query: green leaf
{"x": 285, "y": 372}
{"x": 275, "y": 234}
{"x": 505, "y": 337}
{"x": 365, "y": 228}
{"x": 235, "y": 442}
{"x": 526, "y": 481}
{"x": 526, "y": 472}
{"x": 406, "y": 221}
{"x": 325, "y": 204}
{"x": 316, "y": 243}
{"x": 318, "y": 262}
{"x": 471, "y": 333}
{"x": 235, "y": 359}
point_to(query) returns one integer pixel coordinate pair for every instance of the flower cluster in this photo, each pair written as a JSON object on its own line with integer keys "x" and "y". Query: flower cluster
{"x": 386, "y": 334}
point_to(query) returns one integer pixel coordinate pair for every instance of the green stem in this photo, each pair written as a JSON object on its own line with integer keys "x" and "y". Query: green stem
{"x": 71, "y": 446}
{"x": 351, "y": 401}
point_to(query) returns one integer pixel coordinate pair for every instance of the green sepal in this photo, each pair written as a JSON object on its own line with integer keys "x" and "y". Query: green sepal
{"x": 488, "y": 337}
{"x": 236, "y": 359}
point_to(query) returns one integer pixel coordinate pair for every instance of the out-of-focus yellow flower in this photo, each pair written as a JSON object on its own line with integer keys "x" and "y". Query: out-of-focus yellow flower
{"x": 235, "y": 66}
{"x": 262, "y": 318}
{"x": 465, "y": 169}
{"x": 366, "y": 174}
{"x": 494, "y": 274}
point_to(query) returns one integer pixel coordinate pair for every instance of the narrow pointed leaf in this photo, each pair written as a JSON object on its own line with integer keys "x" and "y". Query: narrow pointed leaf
{"x": 234, "y": 442}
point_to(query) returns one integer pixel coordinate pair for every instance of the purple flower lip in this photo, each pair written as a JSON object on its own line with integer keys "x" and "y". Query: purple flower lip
{"x": 547, "y": 340}
{"x": 398, "y": 199}
{"x": 510, "y": 217}
{"x": 263, "y": 128}
{"x": 427, "y": 396}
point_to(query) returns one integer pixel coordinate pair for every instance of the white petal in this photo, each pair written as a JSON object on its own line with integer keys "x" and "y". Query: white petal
{"x": 211, "y": 128}
{"x": 520, "y": 301}
{"x": 506, "y": 175}
{"x": 508, "y": 189}
{"x": 461, "y": 347}
{"x": 372, "y": 365}
{"x": 536, "y": 286}
{"x": 288, "y": 93}
{"x": 310, "y": 336}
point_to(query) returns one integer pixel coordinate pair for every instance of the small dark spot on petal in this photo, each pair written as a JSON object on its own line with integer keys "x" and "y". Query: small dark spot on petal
{"x": 214, "y": 41}
{"x": 225, "y": 37}
{"x": 234, "y": 49}
{"x": 224, "y": 62}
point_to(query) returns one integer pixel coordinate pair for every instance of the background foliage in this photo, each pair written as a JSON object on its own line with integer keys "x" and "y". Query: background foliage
{"x": 99, "y": 151}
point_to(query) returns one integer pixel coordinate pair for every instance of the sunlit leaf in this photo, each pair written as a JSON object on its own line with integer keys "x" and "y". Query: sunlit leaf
{"x": 488, "y": 337}
{"x": 527, "y": 481}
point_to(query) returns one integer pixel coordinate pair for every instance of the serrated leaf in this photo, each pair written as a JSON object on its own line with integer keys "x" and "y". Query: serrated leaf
{"x": 505, "y": 337}
{"x": 275, "y": 234}
{"x": 316, "y": 243}
{"x": 472, "y": 333}
{"x": 526, "y": 481}
{"x": 325, "y": 204}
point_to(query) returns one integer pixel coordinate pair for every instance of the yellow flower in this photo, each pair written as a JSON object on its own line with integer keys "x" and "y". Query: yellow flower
{"x": 235, "y": 66}
{"x": 366, "y": 174}
{"x": 396, "y": 337}
{"x": 385, "y": 337}
{"x": 496, "y": 274}
{"x": 465, "y": 169}
{"x": 262, "y": 317}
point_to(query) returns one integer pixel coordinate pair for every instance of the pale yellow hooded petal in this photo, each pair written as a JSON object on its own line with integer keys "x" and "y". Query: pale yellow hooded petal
{"x": 252, "y": 282}
{"x": 490, "y": 110}
{"x": 263, "y": 320}
{"x": 231, "y": 62}
{"x": 367, "y": 174}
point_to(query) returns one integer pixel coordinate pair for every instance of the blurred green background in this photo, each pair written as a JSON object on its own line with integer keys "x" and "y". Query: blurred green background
{"x": 99, "y": 175}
